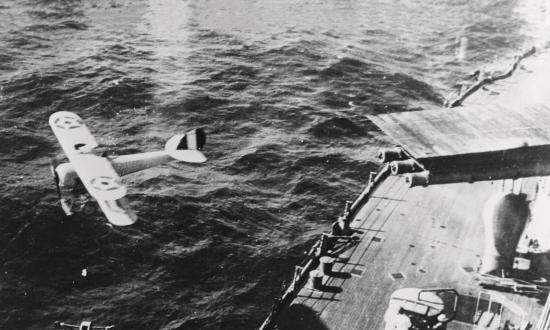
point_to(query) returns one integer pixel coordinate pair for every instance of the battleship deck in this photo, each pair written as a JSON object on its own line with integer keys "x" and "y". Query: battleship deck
{"x": 410, "y": 237}
{"x": 433, "y": 237}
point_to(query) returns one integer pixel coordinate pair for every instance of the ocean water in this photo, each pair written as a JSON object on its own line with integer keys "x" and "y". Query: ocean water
{"x": 282, "y": 89}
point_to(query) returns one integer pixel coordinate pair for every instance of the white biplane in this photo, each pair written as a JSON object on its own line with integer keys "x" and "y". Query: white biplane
{"x": 100, "y": 176}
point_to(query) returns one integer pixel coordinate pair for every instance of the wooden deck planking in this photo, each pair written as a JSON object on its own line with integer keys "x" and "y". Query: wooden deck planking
{"x": 443, "y": 225}
{"x": 367, "y": 251}
{"x": 468, "y": 130}
{"x": 407, "y": 252}
{"x": 370, "y": 220}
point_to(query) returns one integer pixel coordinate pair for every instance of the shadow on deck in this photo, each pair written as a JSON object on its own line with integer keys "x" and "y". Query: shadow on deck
{"x": 300, "y": 316}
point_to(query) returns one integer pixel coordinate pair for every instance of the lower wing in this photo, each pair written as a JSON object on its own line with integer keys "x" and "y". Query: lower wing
{"x": 115, "y": 212}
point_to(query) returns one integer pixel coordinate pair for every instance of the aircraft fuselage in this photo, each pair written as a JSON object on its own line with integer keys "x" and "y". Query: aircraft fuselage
{"x": 123, "y": 165}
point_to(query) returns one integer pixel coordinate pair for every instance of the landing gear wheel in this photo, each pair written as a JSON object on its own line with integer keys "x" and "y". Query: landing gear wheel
{"x": 89, "y": 208}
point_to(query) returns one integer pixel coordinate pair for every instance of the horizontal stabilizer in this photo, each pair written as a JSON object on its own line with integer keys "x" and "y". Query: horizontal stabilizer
{"x": 189, "y": 156}
{"x": 185, "y": 147}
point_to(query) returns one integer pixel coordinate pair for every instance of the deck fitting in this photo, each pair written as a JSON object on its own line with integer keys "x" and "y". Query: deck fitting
{"x": 468, "y": 269}
{"x": 397, "y": 276}
{"x": 357, "y": 272}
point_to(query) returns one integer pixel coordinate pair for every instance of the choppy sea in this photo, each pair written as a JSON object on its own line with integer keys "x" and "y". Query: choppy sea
{"x": 282, "y": 89}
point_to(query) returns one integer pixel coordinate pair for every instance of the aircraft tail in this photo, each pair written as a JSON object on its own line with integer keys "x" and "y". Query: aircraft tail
{"x": 186, "y": 147}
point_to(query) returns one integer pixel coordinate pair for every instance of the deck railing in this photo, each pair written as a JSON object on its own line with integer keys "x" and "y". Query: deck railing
{"x": 483, "y": 79}
{"x": 312, "y": 260}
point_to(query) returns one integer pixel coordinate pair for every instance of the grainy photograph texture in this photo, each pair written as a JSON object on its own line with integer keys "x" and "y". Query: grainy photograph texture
{"x": 274, "y": 164}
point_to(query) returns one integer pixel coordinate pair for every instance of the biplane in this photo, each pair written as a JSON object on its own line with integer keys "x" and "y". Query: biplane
{"x": 88, "y": 176}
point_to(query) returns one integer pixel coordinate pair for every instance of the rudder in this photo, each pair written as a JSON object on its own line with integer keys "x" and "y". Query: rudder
{"x": 185, "y": 147}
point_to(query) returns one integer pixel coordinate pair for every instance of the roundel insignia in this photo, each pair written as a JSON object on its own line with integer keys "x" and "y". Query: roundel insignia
{"x": 68, "y": 122}
{"x": 105, "y": 183}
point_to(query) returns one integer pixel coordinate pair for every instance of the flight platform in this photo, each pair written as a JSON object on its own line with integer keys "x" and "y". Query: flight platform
{"x": 423, "y": 221}
{"x": 418, "y": 237}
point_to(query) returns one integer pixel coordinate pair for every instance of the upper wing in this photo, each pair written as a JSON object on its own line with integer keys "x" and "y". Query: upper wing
{"x": 71, "y": 132}
{"x": 96, "y": 173}
{"x": 467, "y": 130}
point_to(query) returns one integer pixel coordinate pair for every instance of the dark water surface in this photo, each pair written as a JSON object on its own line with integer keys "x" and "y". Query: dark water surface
{"x": 281, "y": 87}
